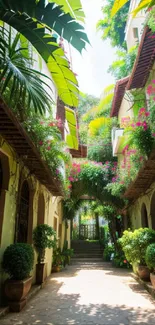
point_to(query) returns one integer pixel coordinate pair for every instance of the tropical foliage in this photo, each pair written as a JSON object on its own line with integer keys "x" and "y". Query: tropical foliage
{"x": 143, "y": 4}
{"x": 86, "y": 102}
{"x": 123, "y": 64}
{"x": 36, "y": 21}
{"x": 21, "y": 86}
{"x": 134, "y": 244}
{"x": 113, "y": 28}
{"x": 46, "y": 135}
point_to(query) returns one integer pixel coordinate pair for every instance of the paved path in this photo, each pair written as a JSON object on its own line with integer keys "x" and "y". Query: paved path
{"x": 83, "y": 295}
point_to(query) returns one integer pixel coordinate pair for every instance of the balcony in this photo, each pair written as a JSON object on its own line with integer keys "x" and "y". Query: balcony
{"x": 117, "y": 138}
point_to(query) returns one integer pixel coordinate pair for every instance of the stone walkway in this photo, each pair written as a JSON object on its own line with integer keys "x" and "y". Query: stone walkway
{"x": 88, "y": 295}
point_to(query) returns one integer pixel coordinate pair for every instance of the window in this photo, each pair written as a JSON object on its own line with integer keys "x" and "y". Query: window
{"x": 144, "y": 218}
{"x": 135, "y": 33}
{"x": 22, "y": 231}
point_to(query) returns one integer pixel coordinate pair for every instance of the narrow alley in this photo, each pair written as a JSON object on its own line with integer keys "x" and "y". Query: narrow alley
{"x": 88, "y": 294}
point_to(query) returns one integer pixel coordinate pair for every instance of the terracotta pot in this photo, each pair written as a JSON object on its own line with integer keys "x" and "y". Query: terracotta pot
{"x": 152, "y": 278}
{"x": 56, "y": 268}
{"x": 144, "y": 272}
{"x": 41, "y": 273}
{"x": 16, "y": 292}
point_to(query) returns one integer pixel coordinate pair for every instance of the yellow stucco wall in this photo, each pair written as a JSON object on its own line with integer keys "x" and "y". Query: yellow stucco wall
{"x": 135, "y": 209}
{"x": 52, "y": 209}
{"x": 125, "y": 109}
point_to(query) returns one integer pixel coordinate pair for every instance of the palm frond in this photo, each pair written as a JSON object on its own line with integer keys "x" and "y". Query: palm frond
{"x": 20, "y": 84}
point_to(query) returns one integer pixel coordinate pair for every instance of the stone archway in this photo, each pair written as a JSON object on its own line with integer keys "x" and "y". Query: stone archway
{"x": 41, "y": 209}
{"x": 144, "y": 216}
{"x": 4, "y": 185}
{"x": 152, "y": 211}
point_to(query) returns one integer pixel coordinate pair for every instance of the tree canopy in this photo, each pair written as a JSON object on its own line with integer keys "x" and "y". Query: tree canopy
{"x": 113, "y": 28}
{"x": 123, "y": 64}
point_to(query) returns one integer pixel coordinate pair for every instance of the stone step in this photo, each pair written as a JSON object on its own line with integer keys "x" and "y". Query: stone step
{"x": 87, "y": 249}
{"x": 86, "y": 261}
{"x": 88, "y": 253}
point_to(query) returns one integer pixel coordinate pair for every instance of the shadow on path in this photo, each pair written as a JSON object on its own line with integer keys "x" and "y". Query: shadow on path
{"x": 88, "y": 297}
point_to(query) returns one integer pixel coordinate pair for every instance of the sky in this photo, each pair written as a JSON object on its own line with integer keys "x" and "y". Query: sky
{"x": 91, "y": 67}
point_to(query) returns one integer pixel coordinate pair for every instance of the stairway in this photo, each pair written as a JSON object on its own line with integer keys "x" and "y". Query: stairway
{"x": 87, "y": 252}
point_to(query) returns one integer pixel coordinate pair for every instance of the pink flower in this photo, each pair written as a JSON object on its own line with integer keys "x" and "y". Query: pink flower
{"x": 40, "y": 143}
{"x": 147, "y": 113}
{"x": 138, "y": 124}
{"x": 125, "y": 261}
{"x": 153, "y": 134}
{"x": 48, "y": 148}
{"x": 149, "y": 90}
{"x": 41, "y": 122}
{"x": 141, "y": 111}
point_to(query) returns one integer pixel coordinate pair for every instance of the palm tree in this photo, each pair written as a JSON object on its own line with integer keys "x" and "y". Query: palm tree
{"x": 20, "y": 85}
{"x": 37, "y": 20}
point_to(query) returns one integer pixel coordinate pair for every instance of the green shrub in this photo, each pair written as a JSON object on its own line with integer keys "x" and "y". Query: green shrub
{"x": 18, "y": 260}
{"x": 58, "y": 258}
{"x": 43, "y": 237}
{"x": 104, "y": 236}
{"x": 150, "y": 256}
{"x": 107, "y": 252}
{"x": 134, "y": 244}
{"x": 67, "y": 253}
{"x": 119, "y": 260}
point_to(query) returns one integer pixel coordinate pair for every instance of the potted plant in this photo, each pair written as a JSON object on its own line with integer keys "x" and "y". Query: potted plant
{"x": 43, "y": 237}
{"x": 67, "y": 253}
{"x": 58, "y": 260}
{"x": 18, "y": 262}
{"x": 134, "y": 245}
{"x": 150, "y": 261}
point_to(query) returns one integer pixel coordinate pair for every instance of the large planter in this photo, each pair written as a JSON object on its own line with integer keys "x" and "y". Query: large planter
{"x": 144, "y": 272}
{"x": 152, "y": 278}
{"x": 16, "y": 292}
{"x": 56, "y": 268}
{"x": 41, "y": 273}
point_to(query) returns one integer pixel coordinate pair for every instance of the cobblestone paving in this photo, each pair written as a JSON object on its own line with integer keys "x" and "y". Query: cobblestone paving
{"x": 84, "y": 295}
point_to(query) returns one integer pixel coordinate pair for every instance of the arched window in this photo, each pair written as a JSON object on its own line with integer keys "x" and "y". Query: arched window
{"x": 152, "y": 212}
{"x": 41, "y": 209}
{"x": 22, "y": 231}
{"x": 144, "y": 217}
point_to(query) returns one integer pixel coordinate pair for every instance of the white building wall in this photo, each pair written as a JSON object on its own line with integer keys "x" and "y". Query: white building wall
{"x": 134, "y": 26}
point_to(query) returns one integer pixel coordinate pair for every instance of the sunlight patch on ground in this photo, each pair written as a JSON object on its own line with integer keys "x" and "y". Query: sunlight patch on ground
{"x": 106, "y": 289}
